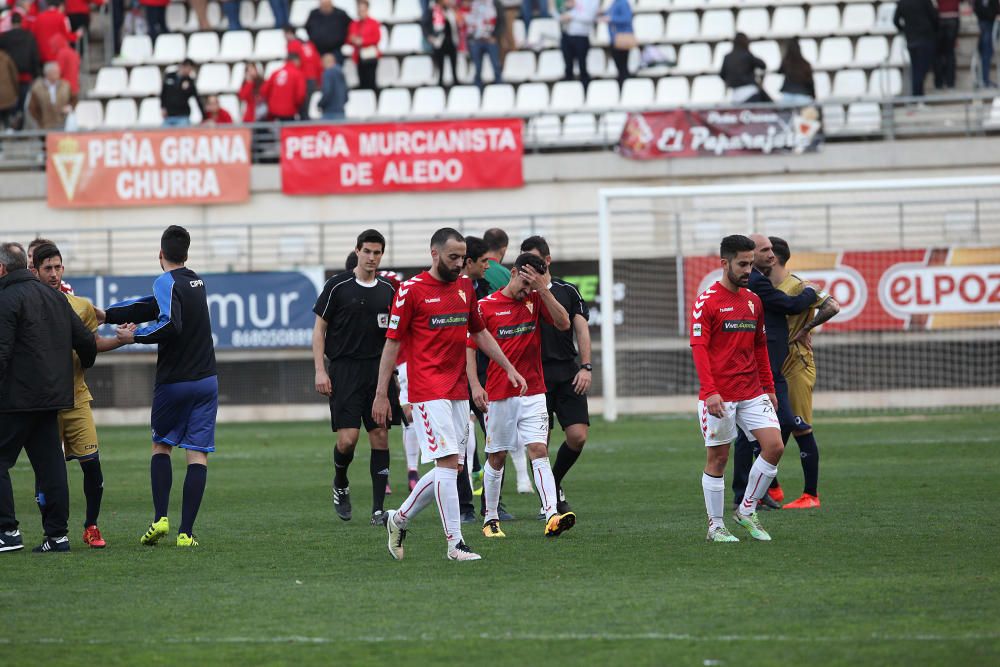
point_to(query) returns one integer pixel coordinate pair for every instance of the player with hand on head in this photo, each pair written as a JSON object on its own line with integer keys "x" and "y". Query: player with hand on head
{"x": 519, "y": 419}
{"x": 730, "y": 354}
{"x": 352, "y": 316}
{"x": 433, "y": 315}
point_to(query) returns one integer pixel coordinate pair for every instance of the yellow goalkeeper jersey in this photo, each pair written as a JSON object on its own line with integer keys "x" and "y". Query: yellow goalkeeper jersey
{"x": 800, "y": 357}
{"x": 85, "y": 310}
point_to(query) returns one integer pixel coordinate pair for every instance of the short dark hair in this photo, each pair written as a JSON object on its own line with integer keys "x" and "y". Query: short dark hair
{"x": 12, "y": 255}
{"x": 444, "y": 235}
{"x": 475, "y": 248}
{"x": 188, "y": 62}
{"x": 734, "y": 245}
{"x": 528, "y": 259}
{"x": 781, "y": 250}
{"x": 175, "y": 243}
{"x": 15, "y": 19}
{"x": 37, "y": 241}
{"x": 536, "y": 243}
{"x": 496, "y": 239}
{"x": 370, "y": 236}
{"x": 44, "y": 252}
{"x": 351, "y": 262}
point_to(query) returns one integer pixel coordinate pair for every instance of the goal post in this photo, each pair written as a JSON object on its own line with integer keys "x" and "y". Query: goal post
{"x": 918, "y": 233}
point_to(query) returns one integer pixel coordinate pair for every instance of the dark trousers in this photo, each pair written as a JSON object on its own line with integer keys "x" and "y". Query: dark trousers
{"x": 304, "y": 109}
{"x": 447, "y": 50}
{"x": 921, "y": 58}
{"x": 231, "y": 10}
{"x": 117, "y": 20}
{"x": 366, "y": 74}
{"x": 744, "y": 450}
{"x": 944, "y": 59}
{"x": 38, "y": 434}
{"x": 575, "y": 48}
{"x": 620, "y": 56}
{"x": 986, "y": 49}
{"x": 156, "y": 17}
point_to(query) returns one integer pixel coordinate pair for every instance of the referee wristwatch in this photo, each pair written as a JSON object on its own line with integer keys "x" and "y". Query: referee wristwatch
{"x": 587, "y": 367}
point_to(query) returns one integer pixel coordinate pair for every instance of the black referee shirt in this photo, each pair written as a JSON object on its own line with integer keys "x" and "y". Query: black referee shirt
{"x": 558, "y": 349}
{"x": 357, "y": 316}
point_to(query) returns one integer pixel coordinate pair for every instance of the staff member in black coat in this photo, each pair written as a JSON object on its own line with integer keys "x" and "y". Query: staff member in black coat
{"x": 918, "y": 20}
{"x": 38, "y": 333}
{"x": 739, "y": 72}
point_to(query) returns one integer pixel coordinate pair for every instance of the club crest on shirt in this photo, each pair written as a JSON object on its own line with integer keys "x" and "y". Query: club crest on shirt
{"x": 461, "y": 293}
{"x": 750, "y": 303}
{"x": 530, "y": 306}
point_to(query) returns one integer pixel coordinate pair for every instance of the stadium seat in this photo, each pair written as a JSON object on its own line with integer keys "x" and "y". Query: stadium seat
{"x": 648, "y": 28}
{"x": 299, "y": 11}
{"x": 349, "y": 6}
{"x": 898, "y": 54}
{"x": 195, "y": 116}
{"x": 992, "y": 121}
{"x": 653, "y": 5}
{"x": 871, "y": 51}
{"x": 610, "y": 126}
{"x": 810, "y": 51}
{"x": 602, "y": 94}
{"x": 551, "y": 66}
{"x": 314, "y": 112}
{"x": 787, "y": 22}
{"x": 150, "y": 113}
{"x": 822, "y": 20}
{"x": 717, "y": 25}
{"x": 248, "y": 15}
{"x": 170, "y": 49}
{"x": 380, "y": 10}
{"x": 405, "y": 38}
{"x": 136, "y": 50}
{"x": 835, "y": 53}
{"x": 144, "y": 80}
{"x": 532, "y": 97}
{"x": 213, "y": 78}
{"x": 634, "y": 58}
{"x": 498, "y": 98}
{"x": 213, "y": 13}
{"x": 270, "y": 45}
{"x": 597, "y": 62}
{"x": 772, "y": 85}
{"x": 768, "y": 51}
{"x": 520, "y": 34}
{"x": 120, "y": 113}
{"x": 858, "y": 19}
{"x": 682, "y": 27}
{"x": 463, "y": 101}
{"x": 567, "y": 96}
{"x": 885, "y": 83}
{"x": 428, "y": 101}
{"x": 543, "y": 34}
{"x": 754, "y": 23}
{"x": 360, "y": 104}
{"x": 883, "y": 19}
{"x": 544, "y": 130}
{"x": 849, "y": 83}
{"x": 672, "y": 91}
{"x": 176, "y": 17}
{"x": 821, "y": 82}
{"x": 237, "y": 74}
{"x": 387, "y": 71}
{"x": 519, "y": 66}
{"x": 637, "y": 94}
{"x": 203, "y": 47}
{"x": 231, "y": 103}
{"x": 579, "y": 129}
{"x": 237, "y": 46}
{"x": 394, "y": 102}
{"x": 111, "y": 82}
{"x": 707, "y": 89}
{"x": 89, "y": 114}
{"x": 694, "y": 58}
{"x": 406, "y": 11}
{"x": 417, "y": 71}
{"x": 864, "y": 117}
{"x": 265, "y": 17}
{"x": 722, "y": 49}
{"x": 601, "y": 37}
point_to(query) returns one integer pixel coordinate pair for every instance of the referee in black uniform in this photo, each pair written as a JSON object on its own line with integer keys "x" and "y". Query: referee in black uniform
{"x": 352, "y": 316}
{"x": 566, "y": 382}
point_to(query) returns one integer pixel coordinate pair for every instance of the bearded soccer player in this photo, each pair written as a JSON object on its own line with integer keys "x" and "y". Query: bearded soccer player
{"x": 433, "y": 315}
{"x": 515, "y": 420}
{"x": 76, "y": 425}
{"x": 799, "y": 369}
{"x": 64, "y": 286}
{"x": 730, "y": 354}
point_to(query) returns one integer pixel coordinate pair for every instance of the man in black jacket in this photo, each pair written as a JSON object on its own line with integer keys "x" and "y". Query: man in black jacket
{"x": 21, "y": 46}
{"x": 327, "y": 27}
{"x": 38, "y": 333}
{"x": 918, "y": 20}
{"x": 178, "y": 89}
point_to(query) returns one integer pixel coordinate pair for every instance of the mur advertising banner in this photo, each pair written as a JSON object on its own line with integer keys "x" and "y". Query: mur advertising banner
{"x": 402, "y": 157}
{"x": 716, "y": 132}
{"x": 153, "y": 168}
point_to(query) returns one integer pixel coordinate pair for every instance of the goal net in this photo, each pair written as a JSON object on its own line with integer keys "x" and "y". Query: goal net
{"x": 915, "y": 265}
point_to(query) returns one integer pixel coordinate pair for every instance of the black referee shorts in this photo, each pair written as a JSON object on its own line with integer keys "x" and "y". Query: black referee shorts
{"x": 354, "y": 382}
{"x": 568, "y": 406}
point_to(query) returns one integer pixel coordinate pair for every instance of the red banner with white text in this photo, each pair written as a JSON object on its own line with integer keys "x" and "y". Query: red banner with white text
{"x": 402, "y": 157}
{"x": 891, "y": 290}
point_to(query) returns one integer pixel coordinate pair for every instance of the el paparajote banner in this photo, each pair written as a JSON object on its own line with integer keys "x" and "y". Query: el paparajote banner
{"x": 151, "y": 168}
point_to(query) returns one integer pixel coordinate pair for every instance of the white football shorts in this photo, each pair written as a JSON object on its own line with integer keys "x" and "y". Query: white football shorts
{"x": 404, "y": 392}
{"x": 442, "y": 428}
{"x": 515, "y": 422}
{"x": 749, "y": 415}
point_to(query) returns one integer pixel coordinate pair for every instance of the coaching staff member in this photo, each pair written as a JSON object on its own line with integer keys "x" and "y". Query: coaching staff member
{"x": 38, "y": 333}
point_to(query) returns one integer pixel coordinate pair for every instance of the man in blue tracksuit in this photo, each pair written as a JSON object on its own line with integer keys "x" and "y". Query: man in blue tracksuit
{"x": 186, "y": 392}
{"x": 777, "y": 306}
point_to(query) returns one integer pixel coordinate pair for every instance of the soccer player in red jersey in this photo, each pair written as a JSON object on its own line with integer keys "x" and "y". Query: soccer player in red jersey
{"x": 730, "y": 354}
{"x": 513, "y": 420}
{"x": 434, "y": 314}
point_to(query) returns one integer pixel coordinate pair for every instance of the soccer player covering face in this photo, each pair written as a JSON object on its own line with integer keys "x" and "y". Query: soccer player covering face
{"x": 730, "y": 354}
{"x": 352, "y": 316}
{"x": 516, "y": 420}
{"x": 433, "y": 314}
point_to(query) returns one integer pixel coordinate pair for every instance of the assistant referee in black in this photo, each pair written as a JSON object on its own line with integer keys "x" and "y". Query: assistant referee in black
{"x": 352, "y": 316}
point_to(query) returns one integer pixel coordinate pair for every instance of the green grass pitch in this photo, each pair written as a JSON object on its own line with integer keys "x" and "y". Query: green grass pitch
{"x": 901, "y": 566}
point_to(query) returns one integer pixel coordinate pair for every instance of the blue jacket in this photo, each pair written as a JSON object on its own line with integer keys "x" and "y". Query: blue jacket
{"x": 334, "y": 97}
{"x": 777, "y": 307}
{"x": 619, "y": 18}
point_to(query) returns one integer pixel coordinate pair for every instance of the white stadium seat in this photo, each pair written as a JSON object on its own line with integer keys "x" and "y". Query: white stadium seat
{"x": 567, "y": 96}
{"x": 717, "y": 25}
{"x": 543, "y": 34}
{"x": 551, "y": 66}
{"x": 299, "y": 11}
{"x": 682, "y": 27}
{"x": 544, "y": 130}
{"x": 176, "y": 17}
{"x": 405, "y": 38}
{"x": 498, "y": 98}
{"x": 835, "y": 53}
{"x": 120, "y": 113}
{"x": 858, "y": 19}
{"x": 406, "y": 11}
{"x": 821, "y": 82}
{"x": 694, "y": 59}
{"x": 236, "y": 46}
{"x": 883, "y": 19}
{"x": 231, "y": 103}
{"x": 360, "y": 104}
{"x": 707, "y": 89}
{"x": 579, "y": 128}
{"x": 648, "y": 28}
{"x": 810, "y": 51}
{"x": 386, "y": 72}
{"x": 602, "y": 94}
{"x": 169, "y": 49}
{"x": 637, "y": 94}
{"x": 754, "y": 23}
{"x": 833, "y": 118}
{"x": 672, "y": 91}
{"x": 203, "y": 47}
{"x": 111, "y": 82}
{"x": 417, "y": 71}
{"x": 463, "y": 101}
{"x": 864, "y": 117}
{"x": 265, "y": 17}
{"x": 394, "y": 102}
{"x": 270, "y": 45}
{"x": 787, "y": 22}
{"x": 885, "y": 83}
{"x": 849, "y": 83}
{"x": 136, "y": 50}
{"x": 89, "y": 114}
{"x": 610, "y": 126}
{"x": 519, "y": 66}
{"x": 428, "y": 101}
{"x": 898, "y": 54}
{"x": 871, "y": 51}
{"x": 213, "y": 78}
{"x": 532, "y": 98}
{"x": 597, "y": 62}
{"x": 768, "y": 51}
{"x": 150, "y": 113}
{"x": 144, "y": 80}
{"x": 822, "y": 20}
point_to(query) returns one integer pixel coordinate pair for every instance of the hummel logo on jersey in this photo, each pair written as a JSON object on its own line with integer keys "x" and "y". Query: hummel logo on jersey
{"x": 504, "y": 312}
{"x": 436, "y": 299}
{"x": 728, "y": 309}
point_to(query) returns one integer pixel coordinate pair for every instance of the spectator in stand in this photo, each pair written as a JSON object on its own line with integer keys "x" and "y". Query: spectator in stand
{"x": 312, "y": 67}
{"x": 9, "y": 90}
{"x": 21, "y": 46}
{"x": 798, "y": 89}
{"x": 986, "y": 13}
{"x": 739, "y": 72}
{"x": 178, "y": 89}
{"x": 7, "y": 17}
{"x": 69, "y": 62}
{"x": 578, "y": 23}
{"x": 441, "y": 29}
{"x": 156, "y": 17}
{"x": 327, "y": 26}
{"x": 528, "y": 8}
{"x": 215, "y": 114}
{"x": 48, "y": 24}
{"x": 918, "y": 21}
{"x": 231, "y": 10}
{"x": 619, "y": 17}
{"x": 485, "y": 24}
{"x": 78, "y": 12}
{"x": 200, "y": 9}
{"x": 334, "y": 98}
{"x": 364, "y": 35}
{"x": 51, "y": 99}
{"x": 254, "y": 109}
{"x": 285, "y": 91}
{"x": 134, "y": 22}
{"x": 947, "y": 40}
{"x": 280, "y": 10}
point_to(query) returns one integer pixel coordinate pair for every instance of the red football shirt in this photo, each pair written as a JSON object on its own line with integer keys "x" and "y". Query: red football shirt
{"x": 730, "y": 328}
{"x": 433, "y": 319}
{"x": 514, "y": 325}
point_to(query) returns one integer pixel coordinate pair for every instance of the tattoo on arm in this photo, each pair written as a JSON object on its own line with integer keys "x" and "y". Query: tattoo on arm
{"x": 827, "y": 310}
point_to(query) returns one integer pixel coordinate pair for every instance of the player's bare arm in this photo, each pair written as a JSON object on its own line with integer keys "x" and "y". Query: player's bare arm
{"x": 126, "y": 333}
{"x": 826, "y": 311}
{"x": 540, "y": 283}
{"x": 107, "y": 343}
{"x": 489, "y": 347}
{"x": 479, "y": 395}
{"x": 584, "y": 377}
{"x": 380, "y": 408}
{"x": 323, "y": 385}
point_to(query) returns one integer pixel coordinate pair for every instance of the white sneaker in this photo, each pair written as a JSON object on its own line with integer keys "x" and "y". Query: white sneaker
{"x": 396, "y": 535}
{"x": 524, "y": 486}
{"x": 462, "y": 552}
